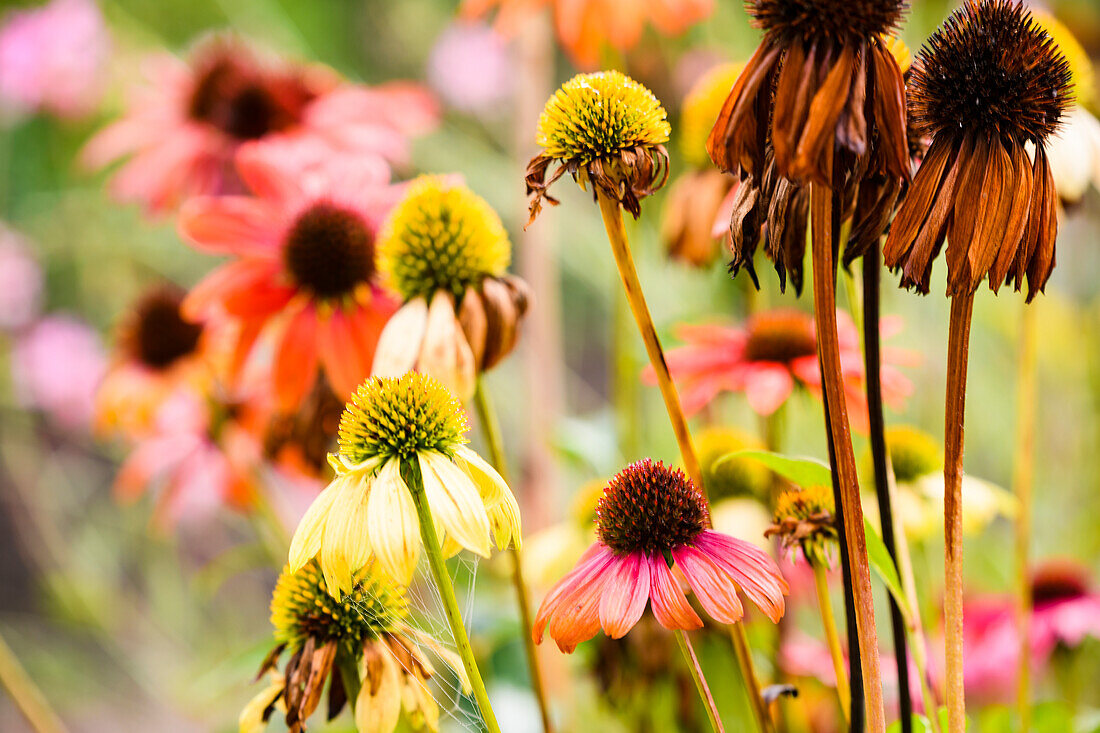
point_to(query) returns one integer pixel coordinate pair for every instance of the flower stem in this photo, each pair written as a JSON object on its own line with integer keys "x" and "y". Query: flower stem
{"x": 825, "y": 604}
{"x": 700, "y": 681}
{"x": 447, "y": 593}
{"x": 872, "y": 360}
{"x": 958, "y": 347}
{"x": 748, "y": 671}
{"x": 620, "y": 248}
{"x": 26, "y": 695}
{"x": 825, "y": 229}
{"x": 490, "y": 427}
{"x": 1021, "y": 478}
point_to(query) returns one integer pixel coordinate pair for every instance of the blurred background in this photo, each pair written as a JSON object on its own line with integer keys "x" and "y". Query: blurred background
{"x": 126, "y": 624}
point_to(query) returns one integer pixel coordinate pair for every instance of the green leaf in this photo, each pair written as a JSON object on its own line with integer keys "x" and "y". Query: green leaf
{"x": 799, "y": 471}
{"x": 884, "y": 566}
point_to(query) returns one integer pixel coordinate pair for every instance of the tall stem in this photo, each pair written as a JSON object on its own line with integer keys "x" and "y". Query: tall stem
{"x": 743, "y": 653}
{"x": 26, "y": 695}
{"x": 490, "y": 427}
{"x": 824, "y": 220}
{"x": 872, "y": 361}
{"x": 700, "y": 681}
{"x": 447, "y": 593}
{"x": 1022, "y": 478}
{"x": 958, "y": 347}
{"x": 825, "y": 604}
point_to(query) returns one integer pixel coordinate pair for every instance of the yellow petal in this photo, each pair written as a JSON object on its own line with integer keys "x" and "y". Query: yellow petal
{"x": 455, "y": 502}
{"x": 392, "y": 526}
{"x": 251, "y": 719}
{"x": 500, "y": 502}
{"x": 334, "y": 557}
{"x": 445, "y": 353}
{"x": 400, "y": 341}
{"x": 378, "y": 713}
{"x": 450, "y": 658}
{"x": 311, "y": 529}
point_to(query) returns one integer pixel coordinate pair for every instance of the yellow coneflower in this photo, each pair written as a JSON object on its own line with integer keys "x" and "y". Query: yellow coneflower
{"x": 445, "y": 251}
{"x": 731, "y": 476}
{"x": 361, "y": 645}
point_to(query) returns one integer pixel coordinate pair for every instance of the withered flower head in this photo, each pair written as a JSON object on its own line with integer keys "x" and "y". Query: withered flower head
{"x": 989, "y": 81}
{"x": 606, "y": 129}
{"x": 805, "y": 519}
{"x": 822, "y": 82}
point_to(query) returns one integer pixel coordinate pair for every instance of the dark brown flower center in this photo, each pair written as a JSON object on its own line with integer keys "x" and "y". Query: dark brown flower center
{"x": 329, "y": 250}
{"x": 650, "y": 507}
{"x": 842, "y": 20}
{"x": 244, "y": 102}
{"x": 1058, "y": 581}
{"x": 159, "y": 336}
{"x": 780, "y": 336}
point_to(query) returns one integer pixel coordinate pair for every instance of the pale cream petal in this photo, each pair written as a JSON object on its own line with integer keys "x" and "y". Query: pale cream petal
{"x": 445, "y": 353}
{"x": 455, "y": 502}
{"x": 379, "y": 713}
{"x": 306, "y": 542}
{"x": 499, "y": 501}
{"x": 251, "y": 719}
{"x": 401, "y": 339}
{"x": 356, "y": 538}
{"x": 392, "y": 526}
{"x": 334, "y": 556}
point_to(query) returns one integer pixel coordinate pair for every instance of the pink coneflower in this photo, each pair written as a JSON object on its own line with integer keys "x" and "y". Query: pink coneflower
{"x": 470, "y": 68}
{"x": 768, "y": 357}
{"x": 56, "y": 365}
{"x": 651, "y": 527}
{"x": 181, "y": 132}
{"x": 304, "y": 265}
{"x": 52, "y": 58}
{"x": 20, "y": 282}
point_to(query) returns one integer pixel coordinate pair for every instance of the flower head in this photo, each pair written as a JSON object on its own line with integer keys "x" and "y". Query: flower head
{"x": 701, "y": 106}
{"x": 399, "y": 435}
{"x": 989, "y": 81}
{"x": 606, "y": 129}
{"x": 728, "y": 476}
{"x": 651, "y": 519}
{"x": 805, "y": 519}
{"x": 365, "y": 630}
{"x": 913, "y": 453}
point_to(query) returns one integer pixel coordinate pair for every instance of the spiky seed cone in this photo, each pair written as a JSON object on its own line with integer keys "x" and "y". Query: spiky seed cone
{"x": 650, "y": 507}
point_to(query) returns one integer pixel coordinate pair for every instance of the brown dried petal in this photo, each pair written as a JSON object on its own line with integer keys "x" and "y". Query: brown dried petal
{"x": 733, "y": 141}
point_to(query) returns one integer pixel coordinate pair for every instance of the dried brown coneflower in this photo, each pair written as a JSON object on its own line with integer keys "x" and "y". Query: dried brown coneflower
{"x": 989, "y": 82}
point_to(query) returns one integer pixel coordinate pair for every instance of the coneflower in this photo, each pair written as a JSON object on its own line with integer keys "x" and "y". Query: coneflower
{"x": 989, "y": 82}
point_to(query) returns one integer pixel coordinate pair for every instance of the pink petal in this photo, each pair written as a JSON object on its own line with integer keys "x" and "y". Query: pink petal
{"x": 625, "y": 594}
{"x": 711, "y": 585}
{"x": 767, "y": 386}
{"x": 238, "y": 225}
{"x": 670, "y": 606}
{"x": 234, "y": 285}
{"x": 754, "y": 571}
{"x": 340, "y": 356}
{"x": 807, "y": 371}
{"x": 148, "y": 461}
{"x": 295, "y": 365}
{"x": 572, "y": 606}
{"x": 270, "y": 168}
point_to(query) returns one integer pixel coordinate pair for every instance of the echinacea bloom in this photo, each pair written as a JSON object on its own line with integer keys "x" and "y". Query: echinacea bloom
{"x": 366, "y": 631}
{"x": 585, "y": 27}
{"x": 56, "y": 365}
{"x": 157, "y": 353}
{"x": 805, "y": 519}
{"x": 199, "y": 456}
{"x": 607, "y": 131}
{"x": 182, "y": 131}
{"x": 700, "y": 201}
{"x": 393, "y": 426}
{"x": 986, "y": 84}
{"x": 53, "y": 58}
{"x": 445, "y": 251}
{"x": 304, "y": 267}
{"x": 768, "y": 357}
{"x": 21, "y": 282}
{"x": 652, "y": 523}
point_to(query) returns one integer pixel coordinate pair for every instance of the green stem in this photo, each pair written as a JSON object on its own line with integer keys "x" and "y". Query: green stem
{"x": 743, "y": 653}
{"x": 832, "y": 638}
{"x": 447, "y": 593}
{"x": 26, "y": 695}
{"x": 700, "y": 681}
{"x": 490, "y": 427}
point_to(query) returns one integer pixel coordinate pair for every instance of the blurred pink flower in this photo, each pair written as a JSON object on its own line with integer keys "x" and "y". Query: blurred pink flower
{"x": 52, "y": 58}
{"x": 470, "y": 67}
{"x": 56, "y": 366}
{"x": 769, "y": 356}
{"x": 20, "y": 282}
{"x": 182, "y": 130}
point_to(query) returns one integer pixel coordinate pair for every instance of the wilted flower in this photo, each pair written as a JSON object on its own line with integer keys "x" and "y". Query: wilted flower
{"x": 300, "y": 441}
{"x": 470, "y": 68}
{"x": 805, "y": 519}
{"x": 649, "y": 520}
{"x": 988, "y": 82}
{"x": 584, "y": 27}
{"x": 445, "y": 251}
{"x": 183, "y": 130}
{"x": 53, "y": 58}
{"x": 20, "y": 282}
{"x": 366, "y": 631}
{"x": 604, "y": 129}
{"x": 56, "y": 366}
{"x": 391, "y": 428}
{"x": 304, "y": 265}
{"x": 774, "y": 352}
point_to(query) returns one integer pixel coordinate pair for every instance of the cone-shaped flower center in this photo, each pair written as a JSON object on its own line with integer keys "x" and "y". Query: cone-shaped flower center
{"x": 842, "y": 20}
{"x": 803, "y": 504}
{"x": 599, "y": 115}
{"x": 396, "y": 417}
{"x": 1058, "y": 581}
{"x": 302, "y": 608}
{"x": 329, "y": 251}
{"x": 990, "y": 69}
{"x": 442, "y": 236}
{"x": 241, "y": 102}
{"x": 913, "y": 453}
{"x": 1080, "y": 65}
{"x": 158, "y": 335}
{"x": 650, "y": 507}
{"x": 780, "y": 336}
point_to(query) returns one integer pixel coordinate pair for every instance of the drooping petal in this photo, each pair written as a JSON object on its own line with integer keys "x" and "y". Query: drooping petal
{"x": 578, "y": 591}
{"x": 455, "y": 502}
{"x": 767, "y": 386}
{"x": 399, "y": 344}
{"x": 340, "y": 355}
{"x": 237, "y": 225}
{"x": 754, "y": 571}
{"x": 499, "y": 501}
{"x": 378, "y": 706}
{"x": 711, "y": 585}
{"x": 306, "y": 542}
{"x": 295, "y": 365}
{"x": 670, "y": 606}
{"x": 351, "y": 491}
{"x": 392, "y": 525}
{"x": 625, "y": 595}
{"x": 445, "y": 353}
